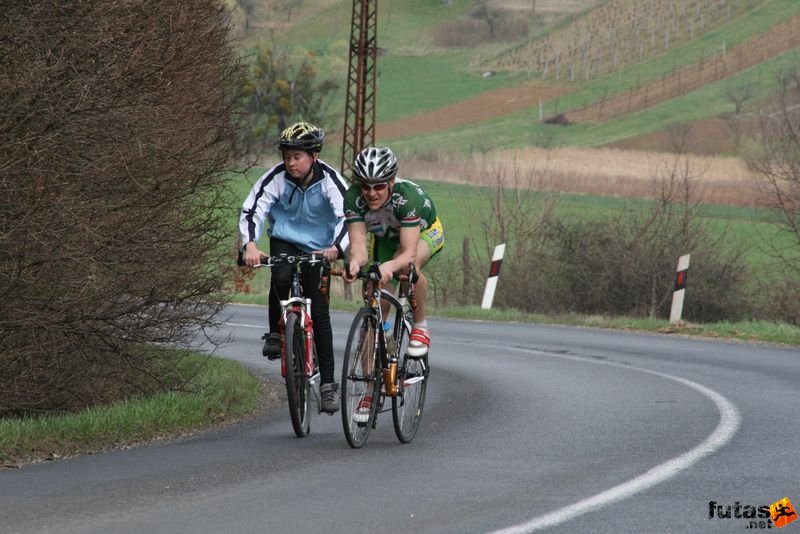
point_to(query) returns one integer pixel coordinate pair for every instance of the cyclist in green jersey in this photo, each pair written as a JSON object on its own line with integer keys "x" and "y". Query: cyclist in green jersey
{"x": 401, "y": 219}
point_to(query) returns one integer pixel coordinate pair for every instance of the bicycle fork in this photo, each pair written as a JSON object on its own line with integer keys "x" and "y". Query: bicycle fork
{"x": 310, "y": 368}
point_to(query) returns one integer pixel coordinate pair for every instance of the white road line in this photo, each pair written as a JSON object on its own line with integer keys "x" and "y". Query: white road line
{"x": 726, "y": 428}
{"x": 243, "y": 325}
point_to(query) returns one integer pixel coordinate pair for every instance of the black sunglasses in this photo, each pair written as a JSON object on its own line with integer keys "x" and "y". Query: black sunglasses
{"x": 377, "y": 187}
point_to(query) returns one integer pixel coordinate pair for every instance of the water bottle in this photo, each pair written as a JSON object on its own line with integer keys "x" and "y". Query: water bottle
{"x": 390, "y": 372}
{"x": 387, "y": 335}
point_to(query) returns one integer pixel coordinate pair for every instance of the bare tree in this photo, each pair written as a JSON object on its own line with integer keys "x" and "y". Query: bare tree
{"x": 487, "y": 13}
{"x": 739, "y": 95}
{"x": 518, "y": 214}
{"x": 117, "y": 123}
{"x": 285, "y": 5}
{"x": 248, "y": 7}
{"x": 777, "y": 163}
{"x": 787, "y": 76}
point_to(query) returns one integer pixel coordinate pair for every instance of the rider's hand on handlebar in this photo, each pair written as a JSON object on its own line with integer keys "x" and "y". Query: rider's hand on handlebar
{"x": 252, "y": 256}
{"x": 351, "y": 272}
{"x": 386, "y": 272}
{"x": 331, "y": 253}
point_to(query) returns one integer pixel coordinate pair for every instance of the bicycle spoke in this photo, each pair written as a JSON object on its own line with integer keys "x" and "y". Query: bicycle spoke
{"x": 297, "y": 385}
{"x": 412, "y": 379}
{"x": 359, "y": 380}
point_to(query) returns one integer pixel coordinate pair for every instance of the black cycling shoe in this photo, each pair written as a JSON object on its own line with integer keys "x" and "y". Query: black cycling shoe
{"x": 330, "y": 398}
{"x": 272, "y": 346}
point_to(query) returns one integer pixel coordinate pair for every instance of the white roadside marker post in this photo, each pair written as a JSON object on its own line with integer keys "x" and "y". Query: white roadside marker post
{"x": 680, "y": 289}
{"x": 494, "y": 271}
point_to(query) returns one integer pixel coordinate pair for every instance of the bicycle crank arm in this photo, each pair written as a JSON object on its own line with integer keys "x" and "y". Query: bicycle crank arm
{"x": 413, "y": 380}
{"x": 315, "y": 391}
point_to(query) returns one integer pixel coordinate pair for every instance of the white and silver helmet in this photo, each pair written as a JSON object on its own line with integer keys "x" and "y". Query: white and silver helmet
{"x": 375, "y": 165}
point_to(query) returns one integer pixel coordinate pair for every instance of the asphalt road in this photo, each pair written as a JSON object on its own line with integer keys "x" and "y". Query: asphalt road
{"x": 525, "y": 428}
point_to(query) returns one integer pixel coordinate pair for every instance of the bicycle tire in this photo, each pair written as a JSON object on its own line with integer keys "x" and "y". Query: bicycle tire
{"x": 297, "y": 384}
{"x": 412, "y": 385}
{"x": 361, "y": 377}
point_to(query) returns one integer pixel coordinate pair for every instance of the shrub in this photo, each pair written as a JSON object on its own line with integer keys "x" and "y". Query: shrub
{"x": 615, "y": 264}
{"x": 116, "y": 124}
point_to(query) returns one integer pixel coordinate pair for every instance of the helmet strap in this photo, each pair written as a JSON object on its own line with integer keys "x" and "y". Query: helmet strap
{"x": 305, "y": 179}
{"x": 389, "y": 190}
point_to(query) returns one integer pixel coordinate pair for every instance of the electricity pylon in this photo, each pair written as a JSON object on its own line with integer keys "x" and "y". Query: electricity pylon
{"x": 359, "y": 115}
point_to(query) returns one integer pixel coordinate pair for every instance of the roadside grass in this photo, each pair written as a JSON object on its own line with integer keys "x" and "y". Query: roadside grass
{"x": 750, "y": 331}
{"x": 222, "y": 391}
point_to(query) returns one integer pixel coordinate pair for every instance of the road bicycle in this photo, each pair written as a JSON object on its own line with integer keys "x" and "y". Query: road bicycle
{"x": 376, "y": 365}
{"x": 299, "y": 366}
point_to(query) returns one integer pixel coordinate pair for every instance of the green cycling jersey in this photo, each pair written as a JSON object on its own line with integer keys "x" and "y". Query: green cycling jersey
{"x": 409, "y": 206}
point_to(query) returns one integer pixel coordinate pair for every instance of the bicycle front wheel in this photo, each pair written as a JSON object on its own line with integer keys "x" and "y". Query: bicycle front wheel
{"x": 412, "y": 383}
{"x": 360, "y": 379}
{"x": 297, "y": 383}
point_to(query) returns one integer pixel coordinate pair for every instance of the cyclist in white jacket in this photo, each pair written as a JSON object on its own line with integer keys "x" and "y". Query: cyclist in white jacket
{"x": 301, "y": 202}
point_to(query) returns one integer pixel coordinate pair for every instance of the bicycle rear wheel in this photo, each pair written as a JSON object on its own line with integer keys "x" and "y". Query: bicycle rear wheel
{"x": 297, "y": 384}
{"x": 360, "y": 379}
{"x": 412, "y": 380}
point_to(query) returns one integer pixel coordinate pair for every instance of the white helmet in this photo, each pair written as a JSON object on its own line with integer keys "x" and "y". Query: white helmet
{"x": 375, "y": 165}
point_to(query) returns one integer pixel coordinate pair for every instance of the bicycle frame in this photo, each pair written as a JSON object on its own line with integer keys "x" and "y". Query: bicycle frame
{"x": 302, "y": 307}
{"x": 301, "y": 373}
{"x": 373, "y": 372}
{"x": 373, "y": 294}
{"x": 297, "y": 306}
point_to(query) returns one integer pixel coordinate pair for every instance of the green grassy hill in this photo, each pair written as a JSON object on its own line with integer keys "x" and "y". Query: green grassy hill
{"x": 418, "y": 74}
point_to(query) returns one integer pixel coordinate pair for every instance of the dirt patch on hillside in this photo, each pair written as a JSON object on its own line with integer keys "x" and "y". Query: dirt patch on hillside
{"x": 480, "y": 108}
{"x": 705, "y": 137}
{"x": 601, "y": 172}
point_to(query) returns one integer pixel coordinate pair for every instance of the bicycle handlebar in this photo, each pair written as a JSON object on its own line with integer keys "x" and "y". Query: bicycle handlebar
{"x": 374, "y": 274}
{"x": 286, "y": 259}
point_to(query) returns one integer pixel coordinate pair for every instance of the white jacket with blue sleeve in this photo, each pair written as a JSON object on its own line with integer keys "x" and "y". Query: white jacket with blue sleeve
{"x": 311, "y": 217}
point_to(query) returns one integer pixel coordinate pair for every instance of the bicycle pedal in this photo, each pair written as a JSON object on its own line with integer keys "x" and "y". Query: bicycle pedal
{"x": 413, "y": 380}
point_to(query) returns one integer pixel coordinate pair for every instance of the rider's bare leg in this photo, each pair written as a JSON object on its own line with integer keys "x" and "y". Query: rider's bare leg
{"x": 423, "y": 255}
